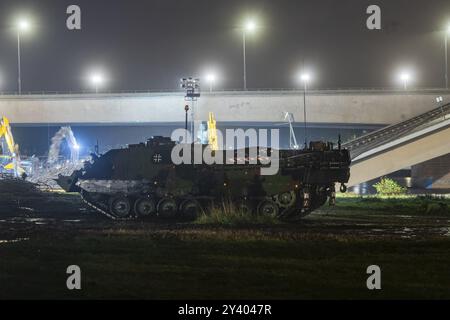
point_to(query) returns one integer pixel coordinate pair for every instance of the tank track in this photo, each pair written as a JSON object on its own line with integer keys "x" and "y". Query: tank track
{"x": 85, "y": 200}
{"x": 300, "y": 207}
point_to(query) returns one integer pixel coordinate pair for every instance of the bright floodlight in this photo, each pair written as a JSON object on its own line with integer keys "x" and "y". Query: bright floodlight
{"x": 23, "y": 25}
{"x": 305, "y": 77}
{"x": 210, "y": 77}
{"x": 97, "y": 79}
{"x": 76, "y": 147}
{"x": 448, "y": 28}
{"x": 405, "y": 76}
{"x": 250, "y": 26}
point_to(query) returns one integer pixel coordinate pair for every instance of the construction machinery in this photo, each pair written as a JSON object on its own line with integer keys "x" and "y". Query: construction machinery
{"x": 65, "y": 133}
{"x": 10, "y": 160}
{"x": 212, "y": 133}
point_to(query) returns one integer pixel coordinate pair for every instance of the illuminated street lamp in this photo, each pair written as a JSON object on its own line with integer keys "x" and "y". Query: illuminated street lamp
{"x": 305, "y": 79}
{"x": 211, "y": 78}
{"x": 22, "y": 26}
{"x": 249, "y": 27}
{"x": 97, "y": 80}
{"x": 446, "y": 35}
{"x": 405, "y": 78}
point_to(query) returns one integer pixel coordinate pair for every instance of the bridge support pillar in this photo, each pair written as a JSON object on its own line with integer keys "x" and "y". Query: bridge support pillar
{"x": 432, "y": 174}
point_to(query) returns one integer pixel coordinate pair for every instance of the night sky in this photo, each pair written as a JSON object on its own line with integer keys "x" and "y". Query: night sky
{"x": 149, "y": 45}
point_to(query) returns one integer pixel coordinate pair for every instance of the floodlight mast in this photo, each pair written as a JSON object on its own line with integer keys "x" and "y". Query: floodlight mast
{"x": 192, "y": 88}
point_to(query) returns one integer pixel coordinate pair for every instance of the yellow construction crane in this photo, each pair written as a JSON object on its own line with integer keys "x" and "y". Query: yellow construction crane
{"x": 212, "y": 133}
{"x": 14, "y": 157}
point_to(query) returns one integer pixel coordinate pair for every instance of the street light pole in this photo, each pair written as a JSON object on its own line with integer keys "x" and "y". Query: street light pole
{"x": 22, "y": 25}
{"x": 19, "y": 80}
{"x": 304, "y": 113}
{"x": 305, "y": 78}
{"x": 250, "y": 26}
{"x": 245, "y": 62}
{"x": 446, "y": 57}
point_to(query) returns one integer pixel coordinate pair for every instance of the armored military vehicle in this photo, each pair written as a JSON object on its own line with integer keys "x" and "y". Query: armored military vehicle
{"x": 142, "y": 181}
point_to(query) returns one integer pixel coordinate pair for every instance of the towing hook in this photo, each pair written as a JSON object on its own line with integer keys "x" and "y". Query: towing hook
{"x": 343, "y": 188}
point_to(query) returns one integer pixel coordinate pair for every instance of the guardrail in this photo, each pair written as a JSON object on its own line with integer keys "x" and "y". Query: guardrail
{"x": 374, "y": 139}
{"x": 239, "y": 91}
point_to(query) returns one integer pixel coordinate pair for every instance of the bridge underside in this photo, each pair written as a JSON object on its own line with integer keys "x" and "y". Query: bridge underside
{"x": 403, "y": 155}
{"x": 432, "y": 174}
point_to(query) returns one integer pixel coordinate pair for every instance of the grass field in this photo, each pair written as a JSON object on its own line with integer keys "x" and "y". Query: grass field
{"x": 324, "y": 256}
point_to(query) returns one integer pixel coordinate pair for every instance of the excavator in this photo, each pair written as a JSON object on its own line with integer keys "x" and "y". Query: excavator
{"x": 9, "y": 163}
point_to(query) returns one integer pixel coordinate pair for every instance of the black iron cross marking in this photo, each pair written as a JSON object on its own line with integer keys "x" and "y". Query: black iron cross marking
{"x": 157, "y": 158}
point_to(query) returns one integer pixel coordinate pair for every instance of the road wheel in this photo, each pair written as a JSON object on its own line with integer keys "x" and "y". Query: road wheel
{"x": 167, "y": 208}
{"x": 268, "y": 208}
{"x": 190, "y": 209}
{"x": 286, "y": 199}
{"x": 144, "y": 207}
{"x": 120, "y": 206}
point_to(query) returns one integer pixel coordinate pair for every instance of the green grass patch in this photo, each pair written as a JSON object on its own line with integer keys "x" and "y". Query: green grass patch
{"x": 228, "y": 213}
{"x": 399, "y": 205}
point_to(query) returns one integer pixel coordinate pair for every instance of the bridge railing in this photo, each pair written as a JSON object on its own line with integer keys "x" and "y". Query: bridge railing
{"x": 374, "y": 90}
{"x": 374, "y": 139}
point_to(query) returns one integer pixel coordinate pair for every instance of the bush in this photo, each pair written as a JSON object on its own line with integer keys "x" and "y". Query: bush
{"x": 389, "y": 187}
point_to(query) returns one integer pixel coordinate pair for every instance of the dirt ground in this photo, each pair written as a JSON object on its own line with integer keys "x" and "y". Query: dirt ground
{"x": 324, "y": 256}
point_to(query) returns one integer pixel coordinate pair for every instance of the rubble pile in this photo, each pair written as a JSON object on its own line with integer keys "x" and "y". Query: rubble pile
{"x": 45, "y": 177}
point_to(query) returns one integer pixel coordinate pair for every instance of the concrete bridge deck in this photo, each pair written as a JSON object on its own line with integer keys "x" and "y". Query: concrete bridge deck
{"x": 345, "y": 107}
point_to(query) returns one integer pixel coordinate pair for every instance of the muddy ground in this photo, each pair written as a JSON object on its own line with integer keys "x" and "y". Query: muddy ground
{"x": 324, "y": 256}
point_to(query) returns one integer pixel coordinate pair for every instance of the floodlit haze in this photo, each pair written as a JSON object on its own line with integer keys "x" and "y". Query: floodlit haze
{"x": 150, "y": 44}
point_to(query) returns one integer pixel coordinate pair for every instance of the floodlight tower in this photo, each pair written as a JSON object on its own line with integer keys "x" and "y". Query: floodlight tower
{"x": 192, "y": 88}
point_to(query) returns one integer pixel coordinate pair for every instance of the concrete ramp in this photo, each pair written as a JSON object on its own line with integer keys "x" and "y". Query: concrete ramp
{"x": 399, "y": 146}
{"x": 400, "y": 154}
